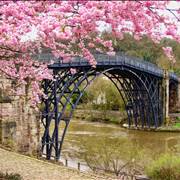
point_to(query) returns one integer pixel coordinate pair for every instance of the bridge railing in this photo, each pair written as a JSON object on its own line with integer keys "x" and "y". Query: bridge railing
{"x": 104, "y": 59}
{"x": 119, "y": 59}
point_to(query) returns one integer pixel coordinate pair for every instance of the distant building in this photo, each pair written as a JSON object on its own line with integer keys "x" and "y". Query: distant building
{"x": 101, "y": 99}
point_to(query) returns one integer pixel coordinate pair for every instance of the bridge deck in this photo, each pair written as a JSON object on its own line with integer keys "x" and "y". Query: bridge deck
{"x": 106, "y": 60}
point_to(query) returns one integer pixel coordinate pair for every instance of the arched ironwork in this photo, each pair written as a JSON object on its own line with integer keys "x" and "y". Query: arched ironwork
{"x": 140, "y": 92}
{"x": 139, "y": 83}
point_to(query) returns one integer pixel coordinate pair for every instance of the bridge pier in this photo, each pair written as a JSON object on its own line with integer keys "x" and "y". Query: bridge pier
{"x": 171, "y": 96}
{"x": 178, "y": 95}
{"x": 19, "y": 123}
{"x": 165, "y": 95}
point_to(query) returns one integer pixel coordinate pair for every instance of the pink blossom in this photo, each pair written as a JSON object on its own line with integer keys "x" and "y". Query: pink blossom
{"x": 73, "y": 71}
{"x": 108, "y": 44}
{"x": 91, "y": 45}
{"x": 111, "y": 53}
{"x": 68, "y": 30}
{"x": 169, "y": 53}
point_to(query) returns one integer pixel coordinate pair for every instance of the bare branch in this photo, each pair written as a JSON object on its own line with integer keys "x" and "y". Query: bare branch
{"x": 9, "y": 49}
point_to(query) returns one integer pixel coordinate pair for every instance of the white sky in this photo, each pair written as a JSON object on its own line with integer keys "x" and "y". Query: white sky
{"x": 174, "y": 4}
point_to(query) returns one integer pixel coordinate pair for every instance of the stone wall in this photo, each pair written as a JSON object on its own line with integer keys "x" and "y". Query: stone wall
{"x": 173, "y": 98}
{"x": 19, "y": 123}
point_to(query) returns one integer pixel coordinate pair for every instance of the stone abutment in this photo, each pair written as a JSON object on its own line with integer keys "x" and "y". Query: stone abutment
{"x": 19, "y": 122}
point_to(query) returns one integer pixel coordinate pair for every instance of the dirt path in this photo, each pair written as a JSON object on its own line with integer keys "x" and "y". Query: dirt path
{"x": 34, "y": 169}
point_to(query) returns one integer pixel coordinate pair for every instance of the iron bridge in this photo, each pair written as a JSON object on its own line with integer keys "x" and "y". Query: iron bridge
{"x": 139, "y": 83}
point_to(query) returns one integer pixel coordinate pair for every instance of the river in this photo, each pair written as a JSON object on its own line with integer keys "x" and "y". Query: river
{"x": 83, "y": 136}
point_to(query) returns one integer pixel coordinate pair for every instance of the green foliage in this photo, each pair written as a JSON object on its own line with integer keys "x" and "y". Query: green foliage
{"x": 10, "y": 176}
{"x": 147, "y": 50}
{"x": 103, "y": 86}
{"x": 84, "y": 98}
{"x": 176, "y": 49}
{"x": 105, "y": 118}
{"x": 178, "y": 118}
{"x": 177, "y": 71}
{"x": 177, "y": 125}
{"x": 166, "y": 167}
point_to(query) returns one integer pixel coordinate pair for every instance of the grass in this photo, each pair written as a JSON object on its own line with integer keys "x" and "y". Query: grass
{"x": 166, "y": 167}
{"x": 178, "y": 119}
{"x": 6, "y": 176}
{"x": 177, "y": 125}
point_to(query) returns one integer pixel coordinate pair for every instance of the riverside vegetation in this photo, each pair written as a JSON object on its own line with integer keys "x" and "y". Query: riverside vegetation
{"x": 6, "y": 176}
{"x": 132, "y": 160}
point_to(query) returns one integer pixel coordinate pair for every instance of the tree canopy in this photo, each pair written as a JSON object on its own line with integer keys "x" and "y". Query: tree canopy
{"x": 147, "y": 50}
{"x": 71, "y": 28}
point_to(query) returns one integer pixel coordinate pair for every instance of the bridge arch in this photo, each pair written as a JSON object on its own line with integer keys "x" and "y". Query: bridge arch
{"x": 139, "y": 92}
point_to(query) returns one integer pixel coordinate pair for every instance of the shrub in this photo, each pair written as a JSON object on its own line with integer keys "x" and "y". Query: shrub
{"x": 10, "y": 176}
{"x": 178, "y": 119}
{"x": 177, "y": 125}
{"x": 166, "y": 167}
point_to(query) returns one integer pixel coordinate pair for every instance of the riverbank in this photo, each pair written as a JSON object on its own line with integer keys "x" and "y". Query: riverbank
{"x": 108, "y": 116}
{"x": 159, "y": 129}
{"x": 119, "y": 118}
{"x": 31, "y": 168}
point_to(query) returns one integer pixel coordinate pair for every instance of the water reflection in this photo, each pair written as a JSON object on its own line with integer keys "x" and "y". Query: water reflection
{"x": 82, "y": 136}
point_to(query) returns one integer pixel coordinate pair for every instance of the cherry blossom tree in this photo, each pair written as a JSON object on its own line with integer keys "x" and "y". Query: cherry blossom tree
{"x": 72, "y": 28}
